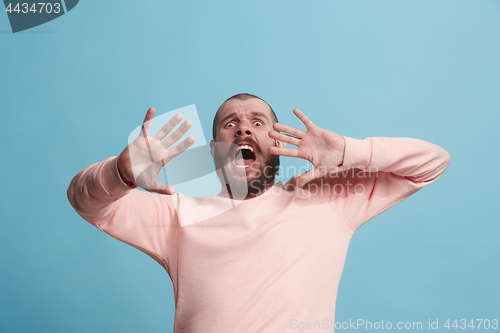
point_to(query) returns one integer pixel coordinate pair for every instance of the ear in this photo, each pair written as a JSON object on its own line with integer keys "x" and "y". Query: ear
{"x": 280, "y": 144}
{"x": 212, "y": 147}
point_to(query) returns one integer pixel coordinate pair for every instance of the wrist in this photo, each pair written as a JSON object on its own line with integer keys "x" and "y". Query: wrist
{"x": 124, "y": 179}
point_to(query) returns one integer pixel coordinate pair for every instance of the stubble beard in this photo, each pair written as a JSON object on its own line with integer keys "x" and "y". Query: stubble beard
{"x": 241, "y": 185}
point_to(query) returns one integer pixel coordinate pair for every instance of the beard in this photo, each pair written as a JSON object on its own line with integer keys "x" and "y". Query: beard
{"x": 239, "y": 183}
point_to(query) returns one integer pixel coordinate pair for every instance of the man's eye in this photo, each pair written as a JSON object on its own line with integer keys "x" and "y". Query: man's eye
{"x": 230, "y": 124}
{"x": 258, "y": 123}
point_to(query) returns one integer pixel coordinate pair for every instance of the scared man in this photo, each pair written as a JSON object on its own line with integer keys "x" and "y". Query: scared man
{"x": 260, "y": 256}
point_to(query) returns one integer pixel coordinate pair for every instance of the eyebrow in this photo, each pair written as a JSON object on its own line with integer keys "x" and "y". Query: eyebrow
{"x": 232, "y": 114}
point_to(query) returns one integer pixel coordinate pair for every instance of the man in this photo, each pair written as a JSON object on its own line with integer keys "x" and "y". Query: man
{"x": 260, "y": 256}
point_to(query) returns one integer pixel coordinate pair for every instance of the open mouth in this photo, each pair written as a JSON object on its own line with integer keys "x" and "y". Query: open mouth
{"x": 245, "y": 156}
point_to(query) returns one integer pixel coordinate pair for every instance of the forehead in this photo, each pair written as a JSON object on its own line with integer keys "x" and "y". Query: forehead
{"x": 242, "y": 108}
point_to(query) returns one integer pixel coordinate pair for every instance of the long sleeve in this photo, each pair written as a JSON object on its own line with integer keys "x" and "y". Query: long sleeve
{"x": 379, "y": 172}
{"x": 147, "y": 221}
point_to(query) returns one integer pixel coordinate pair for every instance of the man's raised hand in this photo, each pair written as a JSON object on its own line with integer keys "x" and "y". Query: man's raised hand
{"x": 141, "y": 161}
{"x": 323, "y": 148}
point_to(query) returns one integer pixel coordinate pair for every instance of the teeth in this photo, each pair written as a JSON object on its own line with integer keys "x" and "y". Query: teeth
{"x": 242, "y": 166}
{"x": 245, "y": 147}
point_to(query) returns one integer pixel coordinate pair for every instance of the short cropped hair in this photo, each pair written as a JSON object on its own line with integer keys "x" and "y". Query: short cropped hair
{"x": 241, "y": 97}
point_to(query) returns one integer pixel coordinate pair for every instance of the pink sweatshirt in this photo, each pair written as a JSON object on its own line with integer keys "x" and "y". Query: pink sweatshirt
{"x": 269, "y": 264}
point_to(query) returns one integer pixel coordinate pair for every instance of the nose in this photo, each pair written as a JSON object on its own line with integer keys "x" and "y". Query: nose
{"x": 247, "y": 132}
{"x": 243, "y": 129}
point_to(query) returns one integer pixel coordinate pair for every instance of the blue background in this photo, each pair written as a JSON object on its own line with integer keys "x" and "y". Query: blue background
{"x": 73, "y": 89}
